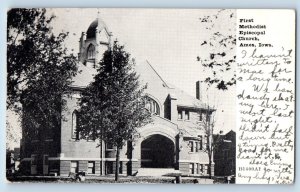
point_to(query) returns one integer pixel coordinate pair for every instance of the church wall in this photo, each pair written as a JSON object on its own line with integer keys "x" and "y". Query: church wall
{"x": 197, "y": 158}
{"x": 83, "y": 150}
{"x": 71, "y": 147}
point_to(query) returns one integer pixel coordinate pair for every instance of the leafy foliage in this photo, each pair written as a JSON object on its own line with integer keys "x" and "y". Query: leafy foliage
{"x": 113, "y": 106}
{"x": 220, "y": 47}
{"x": 208, "y": 127}
{"x": 39, "y": 71}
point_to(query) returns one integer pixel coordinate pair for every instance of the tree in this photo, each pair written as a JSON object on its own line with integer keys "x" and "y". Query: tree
{"x": 39, "y": 71}
{"x": 219, "y": 48}
{"x": 218, "y": 60}
{"x": 112, "y": 107}
{"x": 208, "y": 126}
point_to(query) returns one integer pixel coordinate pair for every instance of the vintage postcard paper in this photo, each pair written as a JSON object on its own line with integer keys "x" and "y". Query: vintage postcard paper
{"x": 265, "y": 96}
{"x": 196, "y": 96}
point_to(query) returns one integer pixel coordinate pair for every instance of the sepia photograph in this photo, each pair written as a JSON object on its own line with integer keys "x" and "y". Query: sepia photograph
{"x": 121, "y": 95}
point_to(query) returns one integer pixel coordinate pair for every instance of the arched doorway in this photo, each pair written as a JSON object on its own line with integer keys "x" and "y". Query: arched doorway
{"x": 157, "y": 151}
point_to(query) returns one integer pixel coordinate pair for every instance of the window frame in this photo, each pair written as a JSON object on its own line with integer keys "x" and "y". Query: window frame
{"x": 192, "y": 168}
{"x": 91, "y": 167}
{"x": 75, "y": 133}
{"x": 91, "y": 52}
{"x": 206, "y": 144}
{"x": 187, "y": 115}
{"x": 76, "y": 167}
{"x": 191, "y": 143}
{"x": 109, "y": 167}
{"x": 196, "y": 146}
{"x": 201, "y": 168}
{"x": 152, "y": 106}
{"x": 109, "y": 146}
{"x": 207, "y": 168}
{"x": 180, "y": 116}
{"x": 201, "y": 143}
{"x": 120, "y": 167}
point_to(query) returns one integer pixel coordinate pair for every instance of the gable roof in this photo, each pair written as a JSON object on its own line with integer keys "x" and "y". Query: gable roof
{"x": 187, "y": 101}
{"x": 156, "y": 85}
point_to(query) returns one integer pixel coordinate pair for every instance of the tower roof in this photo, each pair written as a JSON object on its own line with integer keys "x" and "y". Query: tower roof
{"x": 97, "y": 23}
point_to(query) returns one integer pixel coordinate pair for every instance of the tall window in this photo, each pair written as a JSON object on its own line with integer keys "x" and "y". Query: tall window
{"x": 201, "y": 143}
{"x": 152, "y": 106}
{"x": 191, "y": 168}
{"x": 121, "y": 168}
{"x": 91, "y": 167}
{"x": 109, "y": 167}
{"x": 74, "y": 167}
{"x": 191, "y": 143}
{"x": 109, "y": 146}
{"x": 196, "y": 146}
{"x": 187, "y": 115}
{"x": 197, "y": 168}
{"x": 201, "y": 168}
{"x": 75, "y": 132}
{"x": 179, "y": 114}
{"x": 206, "y": 144}
{"x": 206, "y": 169}
{"x": 91, "y": 52}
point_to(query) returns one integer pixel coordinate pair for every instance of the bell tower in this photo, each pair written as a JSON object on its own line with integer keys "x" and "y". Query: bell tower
{"x": 94, "y": 42}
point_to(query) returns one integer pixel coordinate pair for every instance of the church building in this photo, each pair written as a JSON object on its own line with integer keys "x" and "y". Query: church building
{"x": 174, "y": 140}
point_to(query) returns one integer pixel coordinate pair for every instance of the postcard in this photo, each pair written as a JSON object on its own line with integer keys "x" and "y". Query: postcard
{"x": 115, "y": 95}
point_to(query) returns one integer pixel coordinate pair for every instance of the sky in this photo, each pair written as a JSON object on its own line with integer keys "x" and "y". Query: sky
{"x": 168, "y": 38}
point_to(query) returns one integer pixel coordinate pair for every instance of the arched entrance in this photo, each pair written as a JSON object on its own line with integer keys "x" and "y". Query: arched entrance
{"x": 157, "y": 151}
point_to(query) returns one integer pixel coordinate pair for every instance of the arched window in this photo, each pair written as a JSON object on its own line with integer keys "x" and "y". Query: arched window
{"x": 91, "y": 52}
{"x": 75, "y": 132}
{"x": 152, "y": 106}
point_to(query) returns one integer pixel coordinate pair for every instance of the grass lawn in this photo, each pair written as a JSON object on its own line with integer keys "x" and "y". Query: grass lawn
{"x": 109, "y": 179}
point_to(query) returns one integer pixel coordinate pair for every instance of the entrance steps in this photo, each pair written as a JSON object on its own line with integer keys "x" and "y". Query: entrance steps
{"x": 156, "y": 172}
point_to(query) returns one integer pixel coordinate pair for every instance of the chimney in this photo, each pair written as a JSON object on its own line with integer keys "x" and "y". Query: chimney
{"x": 173, "y": 107}
{"x": 198, "y": 90}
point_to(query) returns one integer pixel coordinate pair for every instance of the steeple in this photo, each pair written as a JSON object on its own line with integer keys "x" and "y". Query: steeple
{"x": 94, "y": 42}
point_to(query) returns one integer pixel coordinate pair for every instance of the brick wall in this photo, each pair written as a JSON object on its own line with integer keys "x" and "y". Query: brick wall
{"x": 184, "y": 167}
{"x": 69, "y": 146}
{"x": 81, "y": 148}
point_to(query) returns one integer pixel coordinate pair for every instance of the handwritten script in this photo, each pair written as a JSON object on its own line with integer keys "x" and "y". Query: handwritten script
{"x": 265, "y": 99}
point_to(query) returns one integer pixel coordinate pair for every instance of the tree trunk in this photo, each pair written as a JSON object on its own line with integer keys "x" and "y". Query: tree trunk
{"x": 101, "y": 155}
{"x": 209, "y": 164}
{"x": 209, "y": 150}
{"x": 117, "y": 164}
